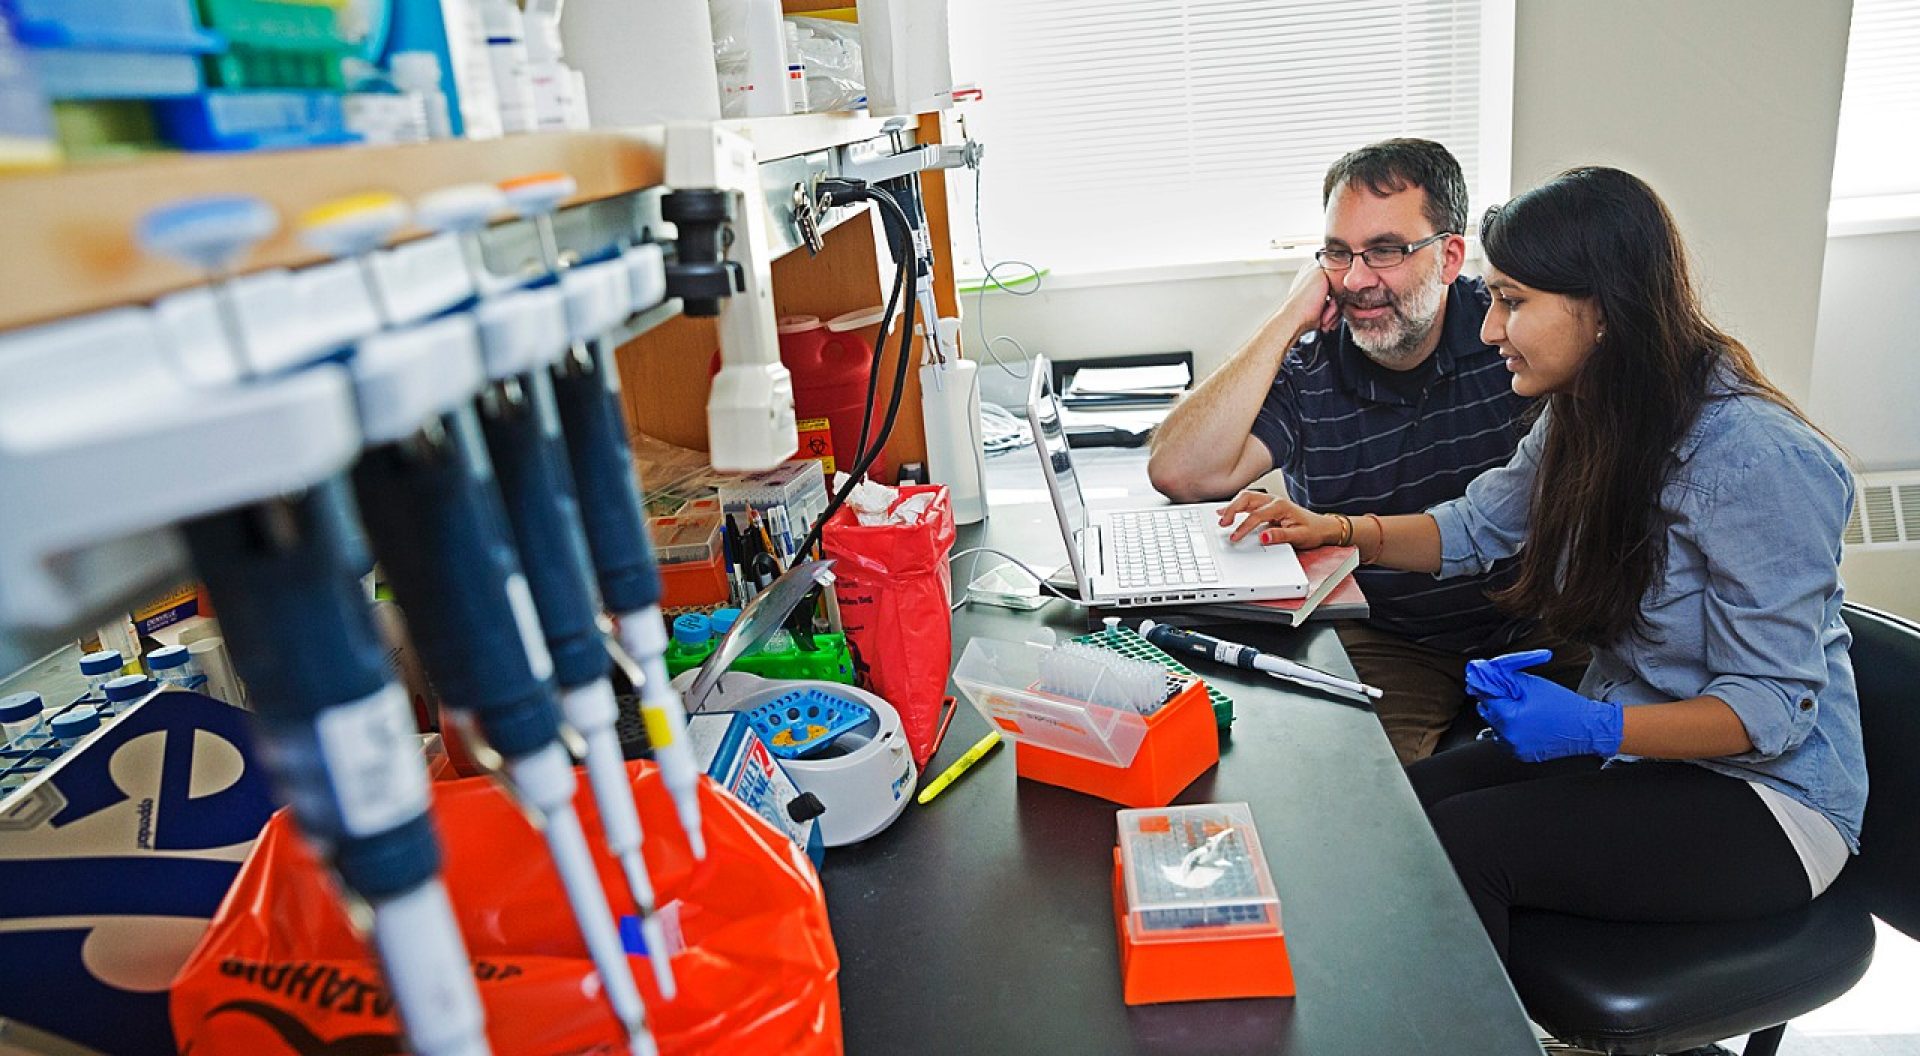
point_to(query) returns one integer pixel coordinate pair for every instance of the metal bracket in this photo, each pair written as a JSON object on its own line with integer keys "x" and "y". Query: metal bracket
{"x": 806, "y": 218}
{"x": 871, "y": 162}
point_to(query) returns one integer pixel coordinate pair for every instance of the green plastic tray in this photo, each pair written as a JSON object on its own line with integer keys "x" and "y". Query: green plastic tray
{"x": 1128, "y": 643}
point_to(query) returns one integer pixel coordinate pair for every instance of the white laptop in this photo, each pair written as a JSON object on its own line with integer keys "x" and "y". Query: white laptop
{"x": 1150, "y": 555}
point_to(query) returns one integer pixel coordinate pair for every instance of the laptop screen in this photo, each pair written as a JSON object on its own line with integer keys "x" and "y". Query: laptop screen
{"x": 1050, "y": 439}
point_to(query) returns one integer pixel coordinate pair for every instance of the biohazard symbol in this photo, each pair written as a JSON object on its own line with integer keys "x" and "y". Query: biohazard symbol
{"x": 817, "y": 447}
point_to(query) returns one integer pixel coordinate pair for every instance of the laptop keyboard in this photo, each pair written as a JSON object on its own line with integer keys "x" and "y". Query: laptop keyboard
{"x": 1161, "y": 548}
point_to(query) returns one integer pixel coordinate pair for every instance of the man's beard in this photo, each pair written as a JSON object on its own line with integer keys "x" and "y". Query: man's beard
{"x": 1393, "y": 340}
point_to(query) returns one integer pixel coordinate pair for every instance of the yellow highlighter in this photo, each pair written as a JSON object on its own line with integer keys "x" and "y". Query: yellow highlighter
{"x": 952, "y": 773}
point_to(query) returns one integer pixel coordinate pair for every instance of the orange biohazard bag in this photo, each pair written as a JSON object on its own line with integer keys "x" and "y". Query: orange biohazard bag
{"x": 281, "y": 972}
{"x": 896, "y": 597}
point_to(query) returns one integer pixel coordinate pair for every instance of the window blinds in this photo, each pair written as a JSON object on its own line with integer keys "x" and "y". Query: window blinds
{"x": 1878, "y": 151}
{"x": 1129, "y": 133}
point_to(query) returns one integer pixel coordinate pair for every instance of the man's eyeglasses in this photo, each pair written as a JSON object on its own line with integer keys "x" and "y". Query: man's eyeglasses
{"x": 1378, "y": 258}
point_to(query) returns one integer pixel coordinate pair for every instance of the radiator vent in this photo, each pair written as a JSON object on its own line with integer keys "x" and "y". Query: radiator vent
{"x": 1886, "y": 513}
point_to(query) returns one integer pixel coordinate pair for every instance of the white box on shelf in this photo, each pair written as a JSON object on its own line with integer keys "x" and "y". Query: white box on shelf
{"x": 903, "y": 45}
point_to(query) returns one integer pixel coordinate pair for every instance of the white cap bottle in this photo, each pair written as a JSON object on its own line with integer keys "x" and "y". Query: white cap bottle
{"x": 417, "y": 73}
{"x": 19, "y": 716}
{"x": 507, "y": 48}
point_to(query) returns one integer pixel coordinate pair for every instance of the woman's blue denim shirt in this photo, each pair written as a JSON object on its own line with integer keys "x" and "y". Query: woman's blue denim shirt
{"x": 1747, "y": 607}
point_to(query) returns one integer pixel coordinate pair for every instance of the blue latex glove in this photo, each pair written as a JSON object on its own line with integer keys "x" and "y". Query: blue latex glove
{"x": 1494, "y": 678}
{"x": 1541, "y": 720}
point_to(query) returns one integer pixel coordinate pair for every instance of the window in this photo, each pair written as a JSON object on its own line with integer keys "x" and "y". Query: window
{"x": 1130, "y": 133}
{"x": 1877, "y": 152}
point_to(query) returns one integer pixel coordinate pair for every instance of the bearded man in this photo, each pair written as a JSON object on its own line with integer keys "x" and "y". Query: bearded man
{"x": 1370, "y": 390}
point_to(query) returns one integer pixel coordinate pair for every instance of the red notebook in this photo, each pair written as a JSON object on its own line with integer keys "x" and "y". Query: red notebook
{"x": 1332, "y": 593}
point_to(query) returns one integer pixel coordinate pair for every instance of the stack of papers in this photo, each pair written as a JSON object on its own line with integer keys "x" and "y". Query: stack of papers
{"x": 1164, "y": 382}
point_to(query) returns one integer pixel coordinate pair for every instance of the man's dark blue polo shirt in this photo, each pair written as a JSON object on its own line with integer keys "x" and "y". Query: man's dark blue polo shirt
{"x": 1353, "y": 437}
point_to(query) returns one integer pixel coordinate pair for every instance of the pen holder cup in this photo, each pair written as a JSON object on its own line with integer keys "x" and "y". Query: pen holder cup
{"x": 1203, "y": 969}
{"x": 1181, "y": 743}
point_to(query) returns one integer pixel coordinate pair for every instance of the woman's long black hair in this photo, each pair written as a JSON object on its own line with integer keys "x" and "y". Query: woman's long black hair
{"x": 1598, "y": 534}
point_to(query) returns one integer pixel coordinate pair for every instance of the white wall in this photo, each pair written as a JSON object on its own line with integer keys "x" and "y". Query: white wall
{"x": 1866, "y": 364}
{"x": 1866, "y": 386}
{"x": 1729, "y": 110}
{"x": 1210, "y": 315}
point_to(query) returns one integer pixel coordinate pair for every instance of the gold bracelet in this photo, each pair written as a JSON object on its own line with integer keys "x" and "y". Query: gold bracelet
{"x": 1346, "y": 529}
{"x": 1381, "y": 528}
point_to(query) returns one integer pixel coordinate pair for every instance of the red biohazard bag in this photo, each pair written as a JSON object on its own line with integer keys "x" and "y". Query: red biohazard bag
{"x": 281, "y": 972}
{"x": 896, "y": 597}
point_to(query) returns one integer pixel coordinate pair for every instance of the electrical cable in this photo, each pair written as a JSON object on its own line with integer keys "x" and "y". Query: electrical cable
{"x": 900, "y": 280}
{"x": 905, "y": 361}
{"x": 907, "y": 271}
{"x": 1012, "y": 560}
{"x": 989, "y": 278}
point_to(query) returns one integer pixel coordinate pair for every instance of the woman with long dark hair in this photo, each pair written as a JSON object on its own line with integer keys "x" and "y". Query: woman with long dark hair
{"x": 1676, "y": 512}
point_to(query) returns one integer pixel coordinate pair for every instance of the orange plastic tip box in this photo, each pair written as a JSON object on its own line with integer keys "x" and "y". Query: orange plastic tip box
{"x": 1182, "y": 741}
{"x": 1115, "y": 754}
{"x": 1195, "y": 907}
{"x": 693, "y": 569}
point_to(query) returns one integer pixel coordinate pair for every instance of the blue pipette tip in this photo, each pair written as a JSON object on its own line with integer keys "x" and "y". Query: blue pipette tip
{"x": 210, "y": 232}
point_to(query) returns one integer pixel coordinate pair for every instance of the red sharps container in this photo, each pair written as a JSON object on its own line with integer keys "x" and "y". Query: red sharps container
{"x": 830, "y": 363}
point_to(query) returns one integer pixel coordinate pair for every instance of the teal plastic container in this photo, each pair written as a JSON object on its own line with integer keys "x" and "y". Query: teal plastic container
{"x": 276, "y": 44}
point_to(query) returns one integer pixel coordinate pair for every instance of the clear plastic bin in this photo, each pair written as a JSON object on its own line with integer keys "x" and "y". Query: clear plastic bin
{"x": 999, "y": 679}
{"x": 1195, "y": 873}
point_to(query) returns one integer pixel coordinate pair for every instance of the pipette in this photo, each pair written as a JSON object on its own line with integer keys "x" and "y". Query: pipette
{"x": 586, "y": 389}
{"x": 428, "y": 500}
{"x": 521, "y": 334}
{"x": 212, "y": 233}
{"x": 463, "y": 211}
{"x": 1207, "y": 647}
{"x": 338, "y": 734}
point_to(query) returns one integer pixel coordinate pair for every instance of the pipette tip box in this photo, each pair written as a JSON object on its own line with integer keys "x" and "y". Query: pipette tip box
{"x": 1195, "y": 908}
{"x": 1114, "y": 754}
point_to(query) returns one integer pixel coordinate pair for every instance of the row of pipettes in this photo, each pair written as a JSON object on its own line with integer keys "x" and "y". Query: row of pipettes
{"x": 508, "y": 521}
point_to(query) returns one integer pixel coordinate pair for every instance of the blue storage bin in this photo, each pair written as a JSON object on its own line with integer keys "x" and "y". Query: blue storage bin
{"x": 114, "y": 49}
{"x": 254, "y": 120}
{"x": 113, "y": 25}
{"x": 92, "y": 75}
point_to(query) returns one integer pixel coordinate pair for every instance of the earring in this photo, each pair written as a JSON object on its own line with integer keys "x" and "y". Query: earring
{"x": 1599, "y": 335}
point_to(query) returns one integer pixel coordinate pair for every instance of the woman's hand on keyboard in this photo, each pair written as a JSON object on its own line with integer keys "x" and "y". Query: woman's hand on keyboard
{"x": 1284, "y": 521}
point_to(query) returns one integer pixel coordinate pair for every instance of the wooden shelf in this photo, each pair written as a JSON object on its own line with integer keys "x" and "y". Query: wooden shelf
{"x": 70, "y": 246}
{"x": 69, "y": 232}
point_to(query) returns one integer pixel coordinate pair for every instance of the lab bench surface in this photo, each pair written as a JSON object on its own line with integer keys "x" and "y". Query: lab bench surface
{"x": 983, "y": 922}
